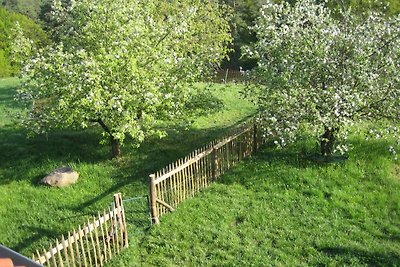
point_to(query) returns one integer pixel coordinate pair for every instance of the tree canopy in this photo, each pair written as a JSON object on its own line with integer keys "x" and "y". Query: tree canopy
{"x": 325, "y": 72}
{"x": 245, "y": 13}
{"x": 122, "y": 64}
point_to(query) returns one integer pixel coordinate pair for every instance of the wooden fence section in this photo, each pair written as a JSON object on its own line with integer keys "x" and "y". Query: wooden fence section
{"x": 93, "y": 244}
{"x": 184, "y": 178}
{"x": 229, "y": 76}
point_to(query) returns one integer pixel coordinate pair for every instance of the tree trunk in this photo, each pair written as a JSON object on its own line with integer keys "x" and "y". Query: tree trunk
{"x": 328, "y": 141}
{"x": 115, "y": 144}
{"x": 115, "y": 147}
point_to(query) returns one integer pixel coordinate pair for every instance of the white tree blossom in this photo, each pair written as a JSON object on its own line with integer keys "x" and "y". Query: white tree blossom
{"x": 122, "y": 64}
{"x": 325, "y": 72}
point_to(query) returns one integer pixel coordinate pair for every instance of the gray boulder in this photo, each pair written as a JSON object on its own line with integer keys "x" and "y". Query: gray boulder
{"x": 61, "y": 177}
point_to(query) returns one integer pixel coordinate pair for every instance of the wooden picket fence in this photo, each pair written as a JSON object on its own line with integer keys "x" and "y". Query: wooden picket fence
{"x": 185, "y": 177}
{"x": 93, "y": 244}
{"x": 229, "y": 76}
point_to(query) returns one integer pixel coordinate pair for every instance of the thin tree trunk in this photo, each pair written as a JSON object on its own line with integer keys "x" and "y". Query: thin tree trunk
{"x": 115, "y": 143}
{"x": 115, "y": 147}
{"x": 328, "y": 141}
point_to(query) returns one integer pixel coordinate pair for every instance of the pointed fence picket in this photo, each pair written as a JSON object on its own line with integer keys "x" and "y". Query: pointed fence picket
{"x": 93, "y": 244}
{"x": 186, "y": 177}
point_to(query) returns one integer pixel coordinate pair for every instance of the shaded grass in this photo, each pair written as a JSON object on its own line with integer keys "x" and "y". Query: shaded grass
{"x": 32, "y": 216}
{"x": 285, "y": 208}
{"x": 8, "y": 107}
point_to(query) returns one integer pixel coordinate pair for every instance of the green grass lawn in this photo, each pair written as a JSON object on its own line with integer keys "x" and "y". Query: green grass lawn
{"x": 32, "y": 215}
{"x": 278, "y": 208}
{"x": 286, "y": 208}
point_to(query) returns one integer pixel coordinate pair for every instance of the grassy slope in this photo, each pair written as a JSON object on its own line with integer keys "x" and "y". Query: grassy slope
{"x": 32, "y": 215}
{"x": 282, "y": 208}
{"x": 286, "y": 208}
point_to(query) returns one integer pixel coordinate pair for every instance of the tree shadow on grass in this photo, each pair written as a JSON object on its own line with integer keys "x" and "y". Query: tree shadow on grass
{"x": 366, "y": 257}
{"x": 154, "y": 154}
{"x": 7, "y": 94}
{"x": 131, "y": 176}
{"x": 18, "y": 155}
{"x": 279, "y": 165}
{"x": 305, "y": 154}
{"x": 40, "y": 236}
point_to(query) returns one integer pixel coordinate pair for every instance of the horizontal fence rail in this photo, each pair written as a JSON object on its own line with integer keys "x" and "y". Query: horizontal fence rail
{"x": 93, "y": 244}
{"x": 186, "y": 177}
{"x": 229, "y": 76}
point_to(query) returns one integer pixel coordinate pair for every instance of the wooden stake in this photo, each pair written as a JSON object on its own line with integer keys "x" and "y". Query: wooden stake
{"x": 52, "y": 257}
{"x": 108, "y": 236}
{"x": 255, "y": 147}
{"x": 115, "y": 230}
{"x": 153, "y": 199}
{"x": 214, "y": 164}
{"x": 39, "y": 257}
{"x": 60, "y": 260}
{"x": 119, "y": 217}
{"x": 92, "y": 242}
{"x": 47, "y": 257}
{"x": 87, "y": 245}
{"x": 71, "y": 249}
{"x": 81, "y": 234}
{"x": 104, "y": 258}
{"x": 123, "y": 220}
{"x": 65, "y": 250}
{"x": 78, "y": 253}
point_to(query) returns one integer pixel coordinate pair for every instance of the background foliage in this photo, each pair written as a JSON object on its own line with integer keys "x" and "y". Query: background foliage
{"x": 30, "y": 8}
{"x": 30, "y": 28}
{"x": 245, "y": 12}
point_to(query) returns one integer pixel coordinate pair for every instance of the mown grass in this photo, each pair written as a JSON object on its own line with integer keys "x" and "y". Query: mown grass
{"x": 277, "y": 208}
{"x": 287, "y": 208}
{"x": 32, "y": 215}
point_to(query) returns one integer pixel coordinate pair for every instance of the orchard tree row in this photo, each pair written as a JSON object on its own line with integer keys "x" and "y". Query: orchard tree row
{"x": 126, "y": 65}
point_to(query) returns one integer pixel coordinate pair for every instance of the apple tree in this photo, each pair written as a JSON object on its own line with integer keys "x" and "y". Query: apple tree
{"x": 325, "y": 72}
{"x": 123, "y": 65}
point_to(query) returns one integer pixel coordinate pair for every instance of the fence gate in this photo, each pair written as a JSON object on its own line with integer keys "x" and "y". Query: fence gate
{"x": 137, "y": 214}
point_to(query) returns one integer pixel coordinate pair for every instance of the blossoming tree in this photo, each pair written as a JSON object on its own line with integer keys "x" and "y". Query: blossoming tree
{"x": 325, "y": 72}
{"x": 122, "y": 64}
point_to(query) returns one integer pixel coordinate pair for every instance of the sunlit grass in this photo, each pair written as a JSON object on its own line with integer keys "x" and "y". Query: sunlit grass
{"x": 284, "y": 208}
{"x": 32, "y": 215}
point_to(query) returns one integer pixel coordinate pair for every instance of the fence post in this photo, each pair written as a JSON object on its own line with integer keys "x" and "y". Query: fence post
{"x": 226, "y": 76}
{"x": 119, "y": 205}
{"x": 214, "y": 164}
{"x": 255, "y": 146}
{"x": 153, "y": 200}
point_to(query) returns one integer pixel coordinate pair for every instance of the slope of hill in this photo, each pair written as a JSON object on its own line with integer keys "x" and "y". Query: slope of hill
{"x": 30, "y": 8}
{"x": 286, "y": 208}
{"x": 30, "y": 28}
